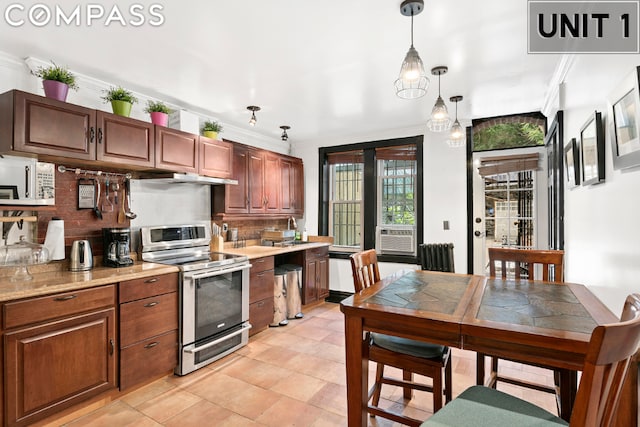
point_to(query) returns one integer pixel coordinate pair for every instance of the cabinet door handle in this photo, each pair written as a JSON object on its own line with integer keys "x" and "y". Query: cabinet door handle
{"x": 112, "y": 347}
{"x": 65, "y": 298}
{"x": 154, "y": 280}
{"x": 151, "y": 304}
{"x": 99, "y": 135}
{"x": 92, "y": 134}
{"x": 152, "y": 344}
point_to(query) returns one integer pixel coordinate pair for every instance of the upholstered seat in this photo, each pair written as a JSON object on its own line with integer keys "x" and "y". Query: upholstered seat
{"x": 408, "y": 355}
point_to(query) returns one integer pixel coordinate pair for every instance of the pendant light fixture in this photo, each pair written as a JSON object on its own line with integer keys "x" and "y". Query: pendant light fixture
{"x": 253, "y": 109}
{"x": 439, "y": 121}
{"x": 456, "y": 134}
{"x": 284, "y": 132}
{"x": 412, "y": 82}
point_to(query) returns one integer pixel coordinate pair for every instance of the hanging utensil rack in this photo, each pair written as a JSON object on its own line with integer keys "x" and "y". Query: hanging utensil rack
{"x": 78, "y": 171}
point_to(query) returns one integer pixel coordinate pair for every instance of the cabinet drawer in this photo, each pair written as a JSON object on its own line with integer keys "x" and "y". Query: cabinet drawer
{"x": 59, "y": 305}
{"x": 261, "y": 264}
{"x": 148, "y": 317}
{"x": 148, "y": 359}
{"x": 260, "y": 315}
{"x": 132, "y": 290}
{"x": 317, "y": 252}
{"x": 261, "y": 286}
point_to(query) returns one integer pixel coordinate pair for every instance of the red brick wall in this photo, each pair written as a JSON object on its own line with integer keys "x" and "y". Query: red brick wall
{"x": 79, "y": 224}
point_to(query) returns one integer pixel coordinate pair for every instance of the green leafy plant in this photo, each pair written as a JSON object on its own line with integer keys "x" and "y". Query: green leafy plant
{"x": 212, "y": 126}
{"x": 119, "y": 94}
{"x": 57, "y": 73}
{"x": 157, "y": 107}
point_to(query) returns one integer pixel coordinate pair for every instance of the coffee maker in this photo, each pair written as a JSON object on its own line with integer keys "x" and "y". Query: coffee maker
{"x": 117, "y": 242}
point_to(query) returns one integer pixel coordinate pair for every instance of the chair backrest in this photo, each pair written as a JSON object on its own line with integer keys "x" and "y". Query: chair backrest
{"x": 364, "y": 266}
{"x": 525, "y": 261}
{"x": 436, "y": 257}
{"x": 610, "y": 350}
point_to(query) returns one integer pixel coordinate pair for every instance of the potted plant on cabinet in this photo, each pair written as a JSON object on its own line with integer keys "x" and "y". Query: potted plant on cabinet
{"x": 121, "y": 100}
{"x": 159, "y": 112}
{"x": 211, "y": 128}
{"x": 56, "y": 81}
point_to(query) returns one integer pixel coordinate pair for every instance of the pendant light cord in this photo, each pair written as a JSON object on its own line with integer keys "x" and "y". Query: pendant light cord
{"x": 411, "y": 27}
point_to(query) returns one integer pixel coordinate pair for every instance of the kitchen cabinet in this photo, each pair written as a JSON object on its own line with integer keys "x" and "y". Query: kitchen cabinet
{"x": 176, "y": 150}
{"x": 216, "y": 158}
{"x": 291, "y": 186}
{"x": 269, "y": 184}
{"x": 58, "y": 350}
{"x": 148, "y": 328}
{"x": 58, "y": 130}
{"x": 261, "y": 282}
{"x": 316, "y": 274}
{"x": 248, "y": 196}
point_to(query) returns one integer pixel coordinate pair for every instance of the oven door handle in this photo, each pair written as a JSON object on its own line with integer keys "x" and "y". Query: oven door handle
{"x": 197, "y": 276}
{"x": 244, "y": 327}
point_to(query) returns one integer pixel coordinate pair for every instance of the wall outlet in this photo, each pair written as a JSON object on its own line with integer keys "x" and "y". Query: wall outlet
{"x": 445, "y": 225}
{"x": 225, "y": 227}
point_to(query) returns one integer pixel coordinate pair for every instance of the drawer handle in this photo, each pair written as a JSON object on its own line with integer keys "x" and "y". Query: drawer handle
{"x": 65, "y": 298}
{"x": 151, "y": 344}
{"x": 151, "y": 304}
{"x": 154, "y": 280}
{"x": 113, "y": 347}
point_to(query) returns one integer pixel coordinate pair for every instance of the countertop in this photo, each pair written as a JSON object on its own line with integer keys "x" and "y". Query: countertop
{"x": 54, "y": 280}
{"x": 254, "y": 252}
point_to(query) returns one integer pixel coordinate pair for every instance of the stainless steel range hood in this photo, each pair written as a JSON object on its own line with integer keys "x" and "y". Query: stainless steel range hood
{"x": 188, "y": 178}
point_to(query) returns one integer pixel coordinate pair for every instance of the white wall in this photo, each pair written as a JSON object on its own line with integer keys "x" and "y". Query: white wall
{"x": 602, "y": 231}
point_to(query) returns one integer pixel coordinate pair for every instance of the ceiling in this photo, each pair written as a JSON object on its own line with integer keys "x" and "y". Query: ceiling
{"x": 325, "y": 68}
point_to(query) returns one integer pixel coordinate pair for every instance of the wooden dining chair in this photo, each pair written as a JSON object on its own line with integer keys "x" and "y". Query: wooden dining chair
{"x": 412, "y": 357}
{"x": 524, "y": 263}
{"x": 610, "y": 350}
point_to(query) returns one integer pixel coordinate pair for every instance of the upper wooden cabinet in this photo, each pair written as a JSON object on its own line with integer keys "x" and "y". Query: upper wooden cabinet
{"x": 176, "y": 150}
{"x": 54, "y": 129}
{"x": 269, "y": 184}
{"x": 216, "y": 158}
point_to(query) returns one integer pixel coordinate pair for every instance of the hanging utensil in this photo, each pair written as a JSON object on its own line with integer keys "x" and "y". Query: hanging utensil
{"x": 108, "y": 205}
{"x": 96, "y": 209}
{"x": 127, "y": 187}
{"x": 121, "y": 212}
{"x": 115, "y": 187}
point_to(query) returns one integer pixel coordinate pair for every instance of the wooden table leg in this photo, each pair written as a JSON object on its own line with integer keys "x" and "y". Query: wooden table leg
{"x": 357, "y": 372}
{"x": 568, "y": 386}
{"x": 480, "y": 368}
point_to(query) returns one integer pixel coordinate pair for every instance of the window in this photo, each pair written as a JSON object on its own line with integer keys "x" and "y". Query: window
{"x": 371, "y": 196}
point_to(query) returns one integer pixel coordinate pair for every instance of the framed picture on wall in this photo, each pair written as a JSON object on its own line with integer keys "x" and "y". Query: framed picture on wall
{"x": 592, "y": 150}
{"x": 624, "y": 121}
{"x": 572, "y": 163}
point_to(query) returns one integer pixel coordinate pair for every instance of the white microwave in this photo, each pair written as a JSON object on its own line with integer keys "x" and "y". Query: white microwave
{"x": 26, "y": 181}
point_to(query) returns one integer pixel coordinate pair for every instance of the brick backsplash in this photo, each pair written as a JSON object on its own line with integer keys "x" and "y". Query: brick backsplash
{"x": 79, "y": 224}
{"x": 83, "y": 224}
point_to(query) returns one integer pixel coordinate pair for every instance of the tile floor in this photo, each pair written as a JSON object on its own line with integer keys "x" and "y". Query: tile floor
{"x": 287, "y": 376}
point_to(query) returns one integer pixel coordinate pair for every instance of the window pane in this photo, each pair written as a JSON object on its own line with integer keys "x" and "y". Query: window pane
{"x": 345, "y": 204}
{"x": 397, "y": 189}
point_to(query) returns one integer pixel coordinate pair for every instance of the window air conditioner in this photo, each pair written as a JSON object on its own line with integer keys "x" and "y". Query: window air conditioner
{"x": 398, "y": 239}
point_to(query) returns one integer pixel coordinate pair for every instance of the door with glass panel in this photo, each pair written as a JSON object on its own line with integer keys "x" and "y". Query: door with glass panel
{"x": 506, "y": 203}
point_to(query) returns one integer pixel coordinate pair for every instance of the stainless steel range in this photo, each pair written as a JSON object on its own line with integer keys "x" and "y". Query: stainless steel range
{"x": 214, "y": 292}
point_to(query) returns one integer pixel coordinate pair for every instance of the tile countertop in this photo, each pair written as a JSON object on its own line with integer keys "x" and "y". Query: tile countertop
{"x": 254, "y": 252}
{"x": 55, "y": 280}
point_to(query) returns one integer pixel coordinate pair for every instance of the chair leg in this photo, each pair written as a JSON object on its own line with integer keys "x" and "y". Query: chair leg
{"x": 493, "y": 375}
{"x": 407, "y": 392}
{"x": 378, "y": 385}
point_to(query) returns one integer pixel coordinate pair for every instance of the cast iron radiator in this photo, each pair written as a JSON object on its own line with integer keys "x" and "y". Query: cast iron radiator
{"x": 437, "y": 256}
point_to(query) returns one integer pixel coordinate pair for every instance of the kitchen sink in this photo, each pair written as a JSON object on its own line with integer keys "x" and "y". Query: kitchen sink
{"x": 278, "y": 235}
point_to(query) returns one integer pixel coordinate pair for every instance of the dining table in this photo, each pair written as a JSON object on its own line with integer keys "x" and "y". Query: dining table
{"x": 544, "y": 323}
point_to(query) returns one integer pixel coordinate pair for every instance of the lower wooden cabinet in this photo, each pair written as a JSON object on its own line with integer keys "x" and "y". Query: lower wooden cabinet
{"x": 148, "y": 328}
{"x": 51, "y": 365}
{"x": 316, "y": 275}
{"x": 261, "y": 294}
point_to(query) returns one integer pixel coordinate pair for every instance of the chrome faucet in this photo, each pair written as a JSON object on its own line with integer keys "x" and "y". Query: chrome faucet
{"x": 289, "y": 220}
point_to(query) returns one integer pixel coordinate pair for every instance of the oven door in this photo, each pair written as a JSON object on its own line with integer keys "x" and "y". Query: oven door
{"x": 215, "y": 314}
